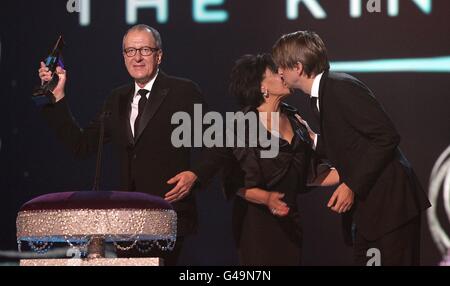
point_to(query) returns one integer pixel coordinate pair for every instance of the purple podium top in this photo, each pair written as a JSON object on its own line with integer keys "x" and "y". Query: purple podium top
{"x": 96, "y": 200}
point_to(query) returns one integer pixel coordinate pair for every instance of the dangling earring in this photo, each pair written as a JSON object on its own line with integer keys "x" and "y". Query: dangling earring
{"x": 266, "y": 93}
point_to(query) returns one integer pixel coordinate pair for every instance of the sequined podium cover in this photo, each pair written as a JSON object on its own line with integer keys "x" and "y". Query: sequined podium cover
{"x": 126, "y": 219}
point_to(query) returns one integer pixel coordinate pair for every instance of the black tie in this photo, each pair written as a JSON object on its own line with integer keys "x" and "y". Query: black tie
{"x": 142, "y": 102}
{"x": 313, "y": 103}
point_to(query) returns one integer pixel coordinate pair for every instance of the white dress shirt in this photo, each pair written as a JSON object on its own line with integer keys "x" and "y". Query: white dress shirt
{"x": 315, "y": 88}
{"x": 315, "y": 93}
{"x": 137, "y": 97}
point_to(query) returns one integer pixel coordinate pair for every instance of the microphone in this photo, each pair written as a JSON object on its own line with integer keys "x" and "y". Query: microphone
{"x": 98, "y": 169}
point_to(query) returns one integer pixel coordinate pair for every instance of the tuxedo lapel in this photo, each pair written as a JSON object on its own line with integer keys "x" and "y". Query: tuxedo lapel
{"x": 125, "y": 111}
{"x": 156, "y": 97}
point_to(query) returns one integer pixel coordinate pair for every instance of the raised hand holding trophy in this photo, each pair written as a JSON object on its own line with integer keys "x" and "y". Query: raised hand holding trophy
{"x": 43, "y": 94}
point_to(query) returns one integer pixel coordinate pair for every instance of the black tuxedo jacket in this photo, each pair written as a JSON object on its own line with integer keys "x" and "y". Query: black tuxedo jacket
{"x": 361, "y": 142}
{"x": 149, "y": 159}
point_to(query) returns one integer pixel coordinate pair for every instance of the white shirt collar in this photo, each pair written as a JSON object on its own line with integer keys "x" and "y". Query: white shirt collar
{"x": 316, "y": 85}
{"x": 148, "y": 86}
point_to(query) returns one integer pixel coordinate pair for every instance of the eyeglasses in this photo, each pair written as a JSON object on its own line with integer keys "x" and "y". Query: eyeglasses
{"x": 144, "y": 51}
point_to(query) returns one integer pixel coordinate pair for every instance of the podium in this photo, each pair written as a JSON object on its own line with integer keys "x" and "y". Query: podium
{"x": 93, "y": 262}
{"x": 86, "y": 221}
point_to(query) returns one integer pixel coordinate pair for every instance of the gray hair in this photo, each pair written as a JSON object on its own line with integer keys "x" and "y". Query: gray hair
{"x": 143, "y": 27}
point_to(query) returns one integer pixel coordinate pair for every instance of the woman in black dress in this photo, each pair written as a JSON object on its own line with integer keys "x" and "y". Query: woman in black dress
{"x": 266, "y": 219}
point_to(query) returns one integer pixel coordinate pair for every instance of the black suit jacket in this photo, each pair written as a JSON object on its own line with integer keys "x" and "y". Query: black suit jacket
{"x": 148, "y": 160}
{"x": 362, "y": 143}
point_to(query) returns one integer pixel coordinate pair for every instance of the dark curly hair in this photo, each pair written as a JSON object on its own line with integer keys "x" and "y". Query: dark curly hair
{"x": 246, "y": 77}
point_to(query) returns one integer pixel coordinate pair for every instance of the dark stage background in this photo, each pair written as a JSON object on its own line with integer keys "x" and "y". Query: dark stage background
{"x": 33, "y": 163}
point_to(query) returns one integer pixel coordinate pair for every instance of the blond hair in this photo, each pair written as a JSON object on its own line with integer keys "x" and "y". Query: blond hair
{"x": 303, "y": 47}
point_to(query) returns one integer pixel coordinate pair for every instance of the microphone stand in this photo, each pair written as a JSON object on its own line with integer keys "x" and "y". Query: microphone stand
{"x": 96, "y": 247}
{"x": 101, "y": 137}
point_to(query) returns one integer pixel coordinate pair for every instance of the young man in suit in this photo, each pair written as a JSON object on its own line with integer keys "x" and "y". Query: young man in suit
{"x": 139, "y": 125}
{"x": 379, "y": 195}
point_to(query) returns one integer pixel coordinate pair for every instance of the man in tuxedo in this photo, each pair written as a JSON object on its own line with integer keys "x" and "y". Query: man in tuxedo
{"x": 137, "y": 120}
{"x": 379, "y": 192}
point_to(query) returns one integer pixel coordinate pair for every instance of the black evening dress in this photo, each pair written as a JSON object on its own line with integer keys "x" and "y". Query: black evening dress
{"x": 262, "y": 238}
